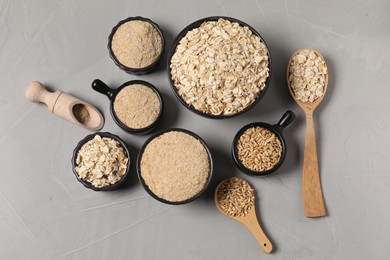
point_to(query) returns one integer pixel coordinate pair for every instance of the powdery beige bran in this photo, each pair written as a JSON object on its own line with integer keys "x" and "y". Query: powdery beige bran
{"x": 175, "y": 166}
{"x": 81, "y": 113}
{"x": 137, "y": 106}
{"x": 136, "y": 44}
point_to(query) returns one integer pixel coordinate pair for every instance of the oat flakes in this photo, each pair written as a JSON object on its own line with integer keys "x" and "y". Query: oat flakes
{"x": 220, "y": 68}
{"x": 307, "y": 75}
{"x": 101, "y": 162}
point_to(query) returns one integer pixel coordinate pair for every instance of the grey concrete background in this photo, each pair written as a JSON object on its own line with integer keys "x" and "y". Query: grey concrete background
{"x": 45, "y": 213}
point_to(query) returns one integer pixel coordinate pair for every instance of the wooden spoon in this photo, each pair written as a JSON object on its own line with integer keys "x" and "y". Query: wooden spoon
{"x": 313, "y": 202}
{"x": 249, "y": 220}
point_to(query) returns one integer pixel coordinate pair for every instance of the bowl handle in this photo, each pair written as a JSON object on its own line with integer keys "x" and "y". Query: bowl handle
{"x": 285, "y": 120}
{"x": 102, "y": 88}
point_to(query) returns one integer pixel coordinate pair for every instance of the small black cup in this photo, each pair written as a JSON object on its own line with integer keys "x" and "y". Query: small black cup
{"x": 136, "y": 71}
{"x": 276, "y": 129}
{"x": 102, "y": 88}
{"x": 84, "y": 141}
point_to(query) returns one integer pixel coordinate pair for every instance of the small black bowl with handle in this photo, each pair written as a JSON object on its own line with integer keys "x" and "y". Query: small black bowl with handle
{"x": 143, "y": 70}
{"x": 277, "y": 130}
{"x": 102, "y": 88}
{"x": 89, "y": 138}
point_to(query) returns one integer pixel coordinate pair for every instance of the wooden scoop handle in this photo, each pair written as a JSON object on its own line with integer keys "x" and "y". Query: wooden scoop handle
{"x": 311, "y": 188}
{"x": 36, "y": 92}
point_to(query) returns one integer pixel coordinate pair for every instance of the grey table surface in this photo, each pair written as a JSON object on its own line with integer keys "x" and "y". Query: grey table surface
{"x": 47, "y": 214}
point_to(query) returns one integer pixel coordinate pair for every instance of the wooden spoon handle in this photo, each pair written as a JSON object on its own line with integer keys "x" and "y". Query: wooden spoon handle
{"x": 311, "y": 188}
{"x": 253, "y": 225}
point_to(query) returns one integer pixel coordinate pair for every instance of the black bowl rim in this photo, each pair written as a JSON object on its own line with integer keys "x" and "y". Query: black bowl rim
{"x": 146, "y": 187}
{"x": 196, "y": 24}
{"x": 269, "y": 127}
{"x": 90, "y": 137}
{"x": 127, "y": 129}
{"x": 136, "y": 71}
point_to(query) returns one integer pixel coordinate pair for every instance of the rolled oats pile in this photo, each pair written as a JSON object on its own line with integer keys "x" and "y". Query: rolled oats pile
{"x": 307, "y": 75}
{"x": 259, "y": 149}
{"x": 136, "y": 44}
{"x": 220, "y": 68}
{"x": 137, "y": 106}
{"x": 175, "y": 166}
{"x": 101, "y": 161}
{"x": 235, "y": 197}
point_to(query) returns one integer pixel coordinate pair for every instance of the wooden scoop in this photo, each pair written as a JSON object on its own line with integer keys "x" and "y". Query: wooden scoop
{"x": 313, "y": 202}
{"x": 249, "y": 220}
{"x": 66, "y": 106}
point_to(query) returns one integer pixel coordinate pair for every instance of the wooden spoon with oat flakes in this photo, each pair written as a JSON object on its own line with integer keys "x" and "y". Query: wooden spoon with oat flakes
{"x": 307, "y": 79}
{"x": 235, "y": 198}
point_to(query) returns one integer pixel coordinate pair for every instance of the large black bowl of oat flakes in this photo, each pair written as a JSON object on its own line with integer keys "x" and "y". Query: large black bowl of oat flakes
{"x": 219, "y": 67}
{"x": 101, "y": 161}
{"x": 175, "y": 166}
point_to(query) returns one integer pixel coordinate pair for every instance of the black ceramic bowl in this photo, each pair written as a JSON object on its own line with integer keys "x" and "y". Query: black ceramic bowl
{"x": 147, "y": 189}
{"x": 172, "y": 51}
{"x": 102, "y": 88}
{"x": 277, "y": 129}
{"x": 84, "y": 141}
{"x": 136, "y": 71}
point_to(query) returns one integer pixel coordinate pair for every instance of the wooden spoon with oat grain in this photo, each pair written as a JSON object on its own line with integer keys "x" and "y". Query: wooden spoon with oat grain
{"x": 235, "y": 198}
{"x": 307, "y": 80}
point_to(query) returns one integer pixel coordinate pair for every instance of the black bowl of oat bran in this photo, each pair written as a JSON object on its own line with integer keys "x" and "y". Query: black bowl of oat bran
{"x": 259, "y": 149}
{"x": 136, "y": 106}
{"x": 101, "y": 161}
{"x": 219, "y": 67}
{"x": 136, "y": 45}
{"x": 175, "y": 166}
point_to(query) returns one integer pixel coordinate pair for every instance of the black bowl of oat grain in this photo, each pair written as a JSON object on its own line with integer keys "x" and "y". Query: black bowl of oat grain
{"x": 219, "y": 67}
{"x": 101, "y": 161}
{"x": 136, "y": 45}
{"x": 259, "y": 148}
